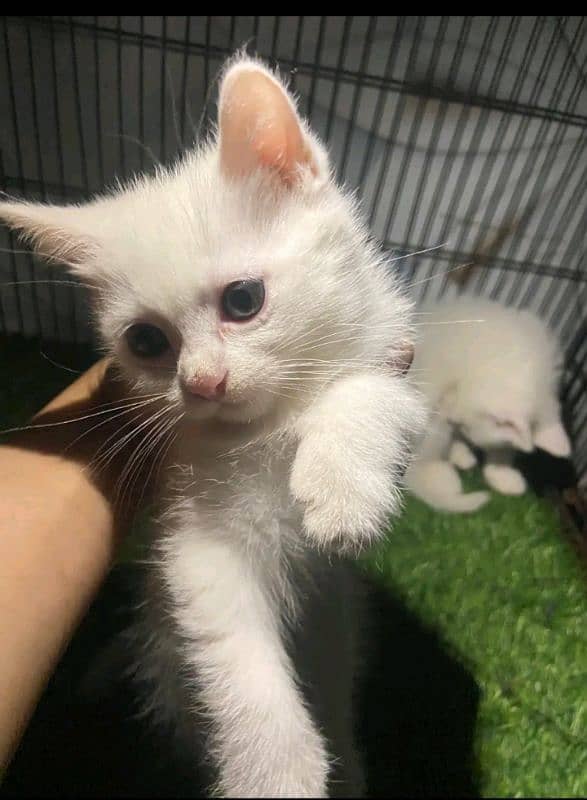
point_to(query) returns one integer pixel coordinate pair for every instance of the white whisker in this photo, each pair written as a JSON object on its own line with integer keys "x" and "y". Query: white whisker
{"x": 439, "y": 275}
{"x": 418, "y": 253}
{"x": 38, "y": 426}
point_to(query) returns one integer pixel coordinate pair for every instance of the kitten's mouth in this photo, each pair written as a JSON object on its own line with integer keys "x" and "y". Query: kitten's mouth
{"x": 203, "y": 408}
{"x": 198, "y": 401}
{"x": 227, "y": 411}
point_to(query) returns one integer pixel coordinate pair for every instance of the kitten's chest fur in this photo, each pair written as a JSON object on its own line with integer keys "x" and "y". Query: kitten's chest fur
{"x": 239, "y": 492}
{"x": 243, "y": 498}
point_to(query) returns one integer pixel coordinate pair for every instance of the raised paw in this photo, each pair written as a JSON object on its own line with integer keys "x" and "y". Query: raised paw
{"x": 504, "y": 479}
{"x": 345, "y": 503}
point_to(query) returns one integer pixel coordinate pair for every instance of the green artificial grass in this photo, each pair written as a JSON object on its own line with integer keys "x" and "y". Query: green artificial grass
{"x": 501, "y": 586}
{"x": 507, "y": 594}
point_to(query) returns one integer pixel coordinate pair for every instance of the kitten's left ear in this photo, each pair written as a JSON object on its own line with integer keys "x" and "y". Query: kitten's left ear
{"x": 259, "y": 127}
{"x": 56, "y": 233}
{"x": 553, "y": 439}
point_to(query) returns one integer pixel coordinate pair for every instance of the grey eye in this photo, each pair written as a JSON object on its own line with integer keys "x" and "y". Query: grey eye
{"x": 146, "y": 341}
{"x": 243, "y": 299}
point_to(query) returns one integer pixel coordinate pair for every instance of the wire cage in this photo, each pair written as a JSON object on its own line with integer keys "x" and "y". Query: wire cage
{"x": 464, "y": 136}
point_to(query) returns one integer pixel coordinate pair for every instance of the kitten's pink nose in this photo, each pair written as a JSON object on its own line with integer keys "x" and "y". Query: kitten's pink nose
{"x": 209, "y": 387}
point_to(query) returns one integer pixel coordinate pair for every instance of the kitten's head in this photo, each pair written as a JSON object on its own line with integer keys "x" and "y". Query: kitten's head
{"x": 240, "y": 278}
{"x": 494, "y": 420}
{"x": 489, "y": 429}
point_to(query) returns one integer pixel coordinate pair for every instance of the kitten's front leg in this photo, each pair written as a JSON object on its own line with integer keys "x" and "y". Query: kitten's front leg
{"x": 501, "y": 475}
{"x": 353, "y": 449}
{"x": 262, "y": 737}
{"x": 461, "y": 455}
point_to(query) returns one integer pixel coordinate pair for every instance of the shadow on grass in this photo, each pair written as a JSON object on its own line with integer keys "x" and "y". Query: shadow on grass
{"x": 418, "y": 710}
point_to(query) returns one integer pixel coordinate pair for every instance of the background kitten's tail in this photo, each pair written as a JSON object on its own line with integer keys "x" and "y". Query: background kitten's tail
{"x": 437, "y": 483}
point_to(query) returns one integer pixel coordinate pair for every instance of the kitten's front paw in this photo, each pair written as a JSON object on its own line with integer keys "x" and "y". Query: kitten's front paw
{"x": 462, "y": 456}
{"x": 504, "y": 479}
{"x": 345, "y": 502}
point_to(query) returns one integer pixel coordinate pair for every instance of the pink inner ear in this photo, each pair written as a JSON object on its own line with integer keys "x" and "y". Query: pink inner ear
{"x": 401, "y": 360}
{"x": 504, "y": 423}
{"x": 519, "y": 431}
{"x": 507, "y": 423}
{"x": 259, "y": 126}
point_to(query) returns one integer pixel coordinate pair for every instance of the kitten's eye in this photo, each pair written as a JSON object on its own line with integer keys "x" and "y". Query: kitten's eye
{"x": 243, "y": 299}
{"x": 146, "y": 341}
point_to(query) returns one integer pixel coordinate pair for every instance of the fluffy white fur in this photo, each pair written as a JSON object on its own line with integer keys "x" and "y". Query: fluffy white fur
{"x": 491, "y": 375}
{"x": 306, "y": 449}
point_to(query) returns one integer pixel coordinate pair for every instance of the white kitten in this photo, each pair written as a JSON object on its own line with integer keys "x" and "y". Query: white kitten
{"x": 242, "y": 287}
{"x": 491, "y": 375}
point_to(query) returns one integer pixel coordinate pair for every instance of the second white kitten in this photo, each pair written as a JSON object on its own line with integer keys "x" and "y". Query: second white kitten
{"x": 491, "y": 375}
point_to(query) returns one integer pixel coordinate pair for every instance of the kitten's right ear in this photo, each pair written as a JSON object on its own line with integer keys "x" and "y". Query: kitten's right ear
{"x": 57, "y": 233}
{"x": 447, "y": 403}
{"x": 259, "y": 127}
